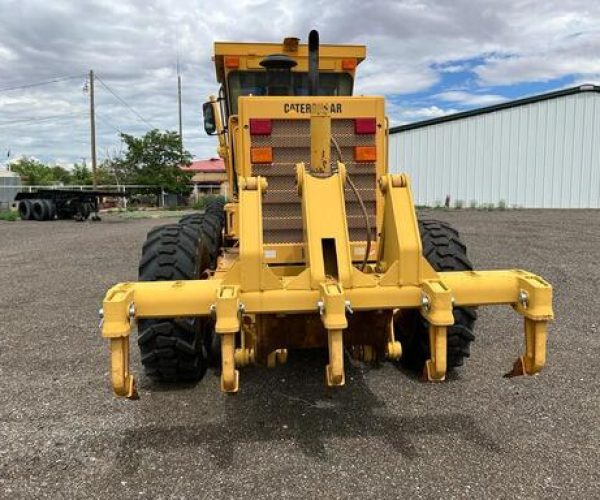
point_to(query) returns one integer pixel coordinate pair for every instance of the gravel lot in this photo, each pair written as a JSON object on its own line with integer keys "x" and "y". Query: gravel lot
{"x": 63, "y": 434}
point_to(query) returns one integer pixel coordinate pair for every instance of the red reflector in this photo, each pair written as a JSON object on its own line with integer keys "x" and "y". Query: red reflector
{"x": 365, "y": 126}
{"x": 260, "y": 126}
{"x": 365, "y": 154}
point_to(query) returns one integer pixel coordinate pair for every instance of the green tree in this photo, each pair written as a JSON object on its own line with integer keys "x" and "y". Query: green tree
{"x": 60, "y": 174}
{"x": 32, "y": 172}
{"x": 105, "y": 174}
{"x": 81, "y": 175}
{"x": 154, "y": 159}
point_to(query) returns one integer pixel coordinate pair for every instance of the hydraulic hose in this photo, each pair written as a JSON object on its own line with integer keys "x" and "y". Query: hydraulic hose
{"x": 360, "y": 202}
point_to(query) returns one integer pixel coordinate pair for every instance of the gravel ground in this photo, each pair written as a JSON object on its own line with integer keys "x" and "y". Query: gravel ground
{"x": 63, "y": 434}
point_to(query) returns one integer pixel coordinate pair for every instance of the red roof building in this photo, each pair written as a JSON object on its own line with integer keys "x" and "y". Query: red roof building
{"x": 210, "y": 171}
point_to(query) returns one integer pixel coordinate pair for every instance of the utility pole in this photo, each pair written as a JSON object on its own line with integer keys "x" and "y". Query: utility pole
{"x": 93, "y": 129}
{"x": 179, "y": 108}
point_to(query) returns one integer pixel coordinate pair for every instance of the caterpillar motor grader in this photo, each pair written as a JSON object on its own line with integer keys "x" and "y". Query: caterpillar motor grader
{"x": 319, "y": 245}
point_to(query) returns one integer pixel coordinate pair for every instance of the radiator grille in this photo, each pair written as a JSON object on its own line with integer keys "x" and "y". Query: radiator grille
{"x": 282, "y": 211}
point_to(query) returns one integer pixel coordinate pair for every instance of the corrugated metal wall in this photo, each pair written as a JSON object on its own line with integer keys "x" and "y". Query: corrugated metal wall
{"x": 544, "y": 154}
{"x": 10, "y": 185}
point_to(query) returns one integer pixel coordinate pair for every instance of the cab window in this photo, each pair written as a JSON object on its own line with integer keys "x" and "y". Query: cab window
{"x": 243, "y": 83}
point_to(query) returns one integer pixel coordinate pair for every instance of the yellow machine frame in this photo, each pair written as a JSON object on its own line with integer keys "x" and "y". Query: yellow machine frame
{"x": 232, "y": 56}
{"x": 310, "y": 278}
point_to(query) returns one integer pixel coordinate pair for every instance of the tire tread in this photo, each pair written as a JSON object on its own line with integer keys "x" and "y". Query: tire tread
{"x": 444, "y": 250}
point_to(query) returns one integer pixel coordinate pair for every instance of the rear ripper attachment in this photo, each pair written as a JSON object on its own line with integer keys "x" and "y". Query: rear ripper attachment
{"x": 321, "y": 245}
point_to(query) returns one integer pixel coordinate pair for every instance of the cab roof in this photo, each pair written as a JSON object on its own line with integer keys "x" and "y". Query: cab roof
{"x": 333, "y": 58}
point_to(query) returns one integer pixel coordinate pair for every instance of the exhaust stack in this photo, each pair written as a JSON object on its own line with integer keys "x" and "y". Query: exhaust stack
{"x": 313, "y": 63}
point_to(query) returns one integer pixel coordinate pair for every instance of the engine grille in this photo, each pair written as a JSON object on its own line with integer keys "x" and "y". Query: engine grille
{"x": 282, "y": 210}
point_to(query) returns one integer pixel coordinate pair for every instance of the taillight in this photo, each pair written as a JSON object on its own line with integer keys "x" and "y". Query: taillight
{"x": 262, "y": 154}
{"x": 365, "y": 126}
{"x": 260, "y": 126}
{"x": 365, "y": 154}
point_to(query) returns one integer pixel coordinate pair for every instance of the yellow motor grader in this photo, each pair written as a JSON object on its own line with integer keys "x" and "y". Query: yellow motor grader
{"x": 319, "y": 245}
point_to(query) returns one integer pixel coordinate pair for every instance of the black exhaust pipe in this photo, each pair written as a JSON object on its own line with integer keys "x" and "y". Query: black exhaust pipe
{"x": 313, "y": 63}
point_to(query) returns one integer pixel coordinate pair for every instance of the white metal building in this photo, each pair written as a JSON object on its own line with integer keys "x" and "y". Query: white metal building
{"x": 10, "y": 185}
{"x": 538, "y": 152}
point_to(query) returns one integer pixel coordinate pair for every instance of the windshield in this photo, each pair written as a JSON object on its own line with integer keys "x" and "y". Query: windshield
{"x": 255, "y": 83}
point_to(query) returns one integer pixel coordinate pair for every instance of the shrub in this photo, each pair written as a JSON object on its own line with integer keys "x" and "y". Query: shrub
{"x": 8, "y": 216}
{"x": 458, "y": 204}
{"x": 199, "y": 205}
{"x": 203, "y": 200}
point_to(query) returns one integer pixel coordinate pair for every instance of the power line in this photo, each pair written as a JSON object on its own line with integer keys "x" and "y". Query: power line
{"x": 44, "y": 82}
{"x": 131, "y": 108}
{"x": 41, "y": 119}
{"x": 106, "y": 122}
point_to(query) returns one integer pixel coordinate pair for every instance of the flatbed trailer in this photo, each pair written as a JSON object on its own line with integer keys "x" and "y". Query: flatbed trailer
{"x": 50, "y": 204}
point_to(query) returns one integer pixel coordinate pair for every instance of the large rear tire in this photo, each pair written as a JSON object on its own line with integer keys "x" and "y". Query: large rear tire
{"x": 39, "y": 210}
{"x": 50, "y": 209}
{"x": 25, "y": 209}
{"x": 216, "y": 206}
{"x": 174, "y": 350}
{"x": 82, "y": 211}
{"x": 210, "y": 224}
{"x": 444, "y": 250}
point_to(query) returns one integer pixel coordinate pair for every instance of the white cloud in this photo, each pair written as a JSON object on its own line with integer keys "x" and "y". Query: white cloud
{"x": 560, "y": 43}
{"x": 400, "y": 115}
{"x": 537, "y": 68}
{"x": 454, "y": 68}
{"x": 469, "y": 99}
{"x": 427, "y": 112}
{"x": 379, "y": 79}
{"x": 6, "y": 54}
{"x": 133, "y": 47}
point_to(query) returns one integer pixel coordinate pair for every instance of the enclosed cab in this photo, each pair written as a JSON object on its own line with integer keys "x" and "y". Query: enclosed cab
{"x": 268, "y": 136}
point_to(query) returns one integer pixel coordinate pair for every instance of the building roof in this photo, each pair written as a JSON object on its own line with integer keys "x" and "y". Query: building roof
{"x": 216, "y": 165}
{"x": 497, "y": 107}
{"x": 8, "y": 173}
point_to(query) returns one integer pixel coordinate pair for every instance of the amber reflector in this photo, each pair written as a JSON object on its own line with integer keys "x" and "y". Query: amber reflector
{"x": 232, "y": 61}
{"x": 365, "y": 153}
{"x": 349, "y": 64}
{"x": 261, "y": 155}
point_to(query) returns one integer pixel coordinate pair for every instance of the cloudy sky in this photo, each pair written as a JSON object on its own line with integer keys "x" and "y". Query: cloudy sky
{"x": 428, "y": 57}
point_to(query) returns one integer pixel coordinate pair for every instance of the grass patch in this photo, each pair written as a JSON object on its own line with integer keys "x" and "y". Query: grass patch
{"x": 9, "y": 216}
{"x": 153, "y": 214}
